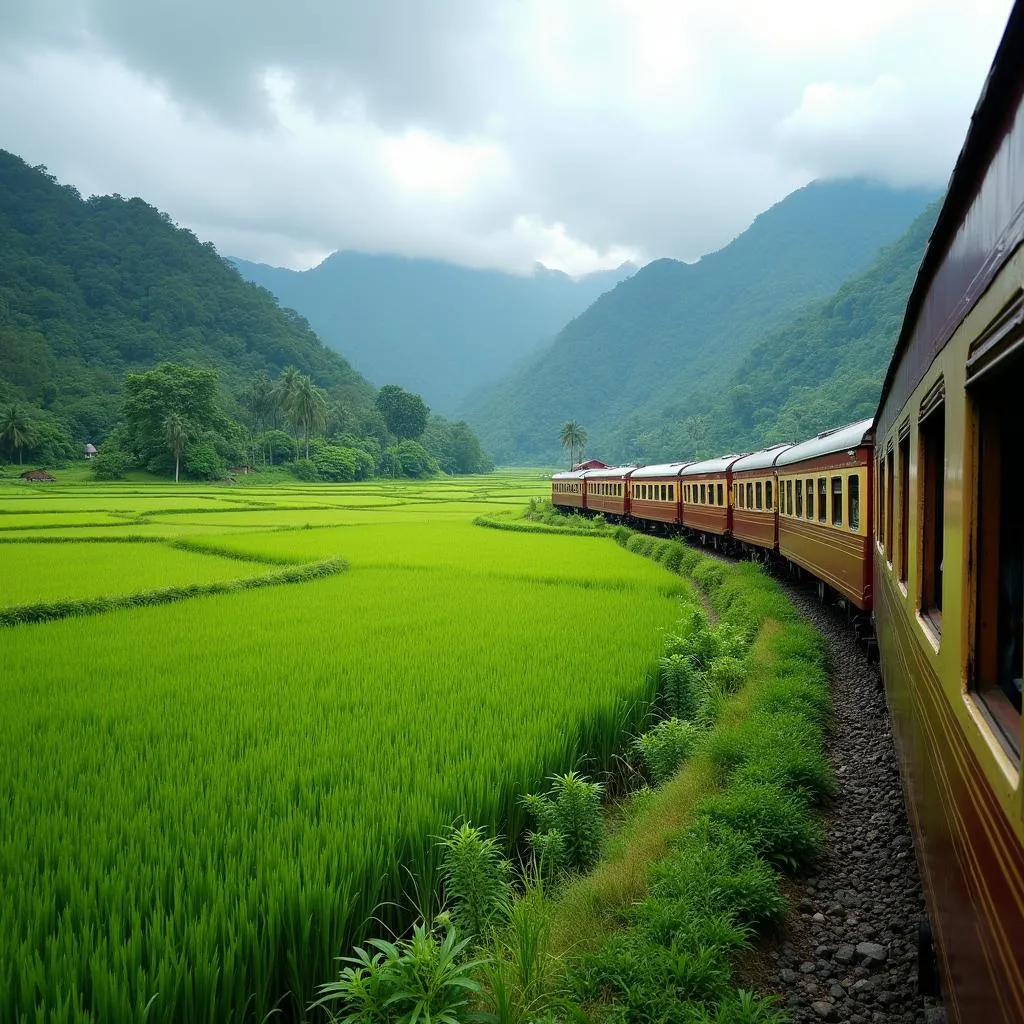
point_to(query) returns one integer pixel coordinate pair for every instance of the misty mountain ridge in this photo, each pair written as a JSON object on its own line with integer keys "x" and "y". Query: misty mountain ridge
{"x": 660, "y": 344}
{"x": 444, "y": 330}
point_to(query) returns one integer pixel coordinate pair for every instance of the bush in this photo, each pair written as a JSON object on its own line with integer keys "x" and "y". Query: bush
{"x": 333, "y": 463}
{"x": 203, "y": 462}
{"x": 111, "y": 464}
{"x": 572, "y": 808}
{"x": 305, "y": 469}
{"x": 666, "y": 747}
{"x": 679, "y": 686}
{"x": 776, "y": 823}
{"x": 476, "y": 878}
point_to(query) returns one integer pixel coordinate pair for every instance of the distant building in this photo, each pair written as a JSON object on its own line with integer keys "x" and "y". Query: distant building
{"x": 589, "y": 464}
{"x": 90, "y": 451}
{"x": 38, "y": 476}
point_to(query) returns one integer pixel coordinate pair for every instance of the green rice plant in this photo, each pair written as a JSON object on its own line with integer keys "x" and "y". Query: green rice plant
{"x": 571, "y": 808}
{"x": 477, "y": 879}
{"x": 678, "y": 686}
{"x": 664, "y": 749}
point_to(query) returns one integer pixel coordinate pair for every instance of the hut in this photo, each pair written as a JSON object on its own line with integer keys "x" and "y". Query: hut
{"x": 90, "y": 450}
{"x": 37, "y": 476}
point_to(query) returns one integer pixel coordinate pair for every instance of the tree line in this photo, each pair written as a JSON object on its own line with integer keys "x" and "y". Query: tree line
{"x": 177, "y": 420}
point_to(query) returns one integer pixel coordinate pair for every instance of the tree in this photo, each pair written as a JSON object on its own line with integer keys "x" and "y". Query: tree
{"x": 16, "y": 430}
{"x": 309, "y": 407}
{"x": 573, "y": 437}
{"x": 176, "y": 435}
{"x": 404, "y": 413}
{"x": 193, "y": 395}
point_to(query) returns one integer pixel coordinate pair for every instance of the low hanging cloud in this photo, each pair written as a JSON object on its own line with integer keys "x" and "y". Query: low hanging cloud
{"x": 577, "y": 133}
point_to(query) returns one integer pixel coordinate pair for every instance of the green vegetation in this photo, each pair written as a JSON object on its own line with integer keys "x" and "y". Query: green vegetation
{"x": 573, "y": 437}
{"x": 451, "y": 329}
{"x": 691, "y": 876}
{"x": 822, "y": 369}
{"x": 209, "y": 800}
{"x": 663, "y": 343}
{"x": 108, "y": 311}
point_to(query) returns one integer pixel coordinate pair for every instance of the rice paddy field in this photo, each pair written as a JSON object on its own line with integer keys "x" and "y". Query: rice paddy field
{"x": 207, "y": 801}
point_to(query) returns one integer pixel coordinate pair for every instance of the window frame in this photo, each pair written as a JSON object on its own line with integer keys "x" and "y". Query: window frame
{"x": 836, "y": 510}
{"x": 853, "y": 502}
{"x": 798, "y": 490}
{"x": 809, "y": 507}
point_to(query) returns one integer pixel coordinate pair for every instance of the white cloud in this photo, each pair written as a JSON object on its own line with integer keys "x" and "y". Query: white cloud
{"x": 575, "y": 132}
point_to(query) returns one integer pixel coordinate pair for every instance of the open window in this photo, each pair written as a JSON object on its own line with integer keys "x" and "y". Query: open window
{"x": 999, "y": 538}
{"x": 768, "y": 495}
{"x": 887, "y": 477}
{"x": 759, "y": 495}
{"x": 810, "y": 499}
{"x": 853, "y": 501}
{"x": 822, "y": 499}
{"x": 903, "y": 452}
{"x": 789, "y": 497}
{"x": 932, "y": 440}
{"x": 799, "y": 497}
{"x": 721, "y": 494}
{"x": 837, "y": 501}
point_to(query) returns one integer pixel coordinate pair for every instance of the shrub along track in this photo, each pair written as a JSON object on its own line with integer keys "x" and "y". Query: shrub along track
{"x": 849, "y": 952}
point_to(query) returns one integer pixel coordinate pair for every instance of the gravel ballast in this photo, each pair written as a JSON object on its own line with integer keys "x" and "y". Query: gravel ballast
{"x": 850, "y": 950}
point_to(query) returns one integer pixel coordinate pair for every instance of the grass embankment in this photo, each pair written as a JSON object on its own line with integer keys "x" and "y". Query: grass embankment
{"x": 693, "y": 872}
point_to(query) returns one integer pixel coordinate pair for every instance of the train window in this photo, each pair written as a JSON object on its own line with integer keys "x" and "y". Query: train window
{"x": 887, "y": 477}
{"x": 903, "y": 451}
{"x": 750, "y": 495}
{"x": 664, "y": 492}
{"x": 721, "y": 494}
{"x": 759, "y": 495}
{"x": 932, "y": 453}
{"x": 789, "y": 497}
{"x": 999, "y": 634}
{"x": 810, "y": 499}
{"x": 703, "y": 494}
{"x": 822, "y": 499}
{"x": 853, "y": 501}
{"x": 879, "y": 502}
{"x": 837, "y": 501}
{"x": 800, "y": 497}
{"x": 768, "y": 495}
{"x": 671, "y": 492}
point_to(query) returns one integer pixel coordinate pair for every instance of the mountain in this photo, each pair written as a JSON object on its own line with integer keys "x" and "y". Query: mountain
{"x": 661, "y": 344}
{"x": 443, "y": 330}
{"x": 821, "y": 369}
{"x": 90, "y": 289}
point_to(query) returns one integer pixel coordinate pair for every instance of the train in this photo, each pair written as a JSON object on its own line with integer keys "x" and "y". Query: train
{"x": 914, "y": 521}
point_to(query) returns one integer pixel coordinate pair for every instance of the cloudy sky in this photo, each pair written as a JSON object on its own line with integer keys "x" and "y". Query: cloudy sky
{"x": 488, "y": 132}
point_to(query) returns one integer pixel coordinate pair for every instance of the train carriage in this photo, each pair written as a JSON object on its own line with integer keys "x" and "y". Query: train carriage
{"x": 824, "y": 499}
{"x": 949, "y": 557}
{"x": 755, "y": 521}
{"x": 656, "y": 494}
{"x": 608, "y": 490}
{"x": 568, "y": 490}
{"x": 707, "y": 496}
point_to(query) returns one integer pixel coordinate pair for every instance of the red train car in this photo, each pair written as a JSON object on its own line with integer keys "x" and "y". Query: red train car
{"x": 608, "y": 490}
{"x": 755, "y": 521}
{"x": 949, "y": 557}
{"x": 824, "y": 509}
{"x": 707, "y": 496}
{"x": 656, "y": 494}
{"x": 569, "y": 490}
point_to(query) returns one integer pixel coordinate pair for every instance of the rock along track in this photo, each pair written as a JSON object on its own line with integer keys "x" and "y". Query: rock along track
{"x": 849, "y": 952}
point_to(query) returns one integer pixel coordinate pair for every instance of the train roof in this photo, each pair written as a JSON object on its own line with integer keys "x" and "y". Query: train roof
{"x": 609, "y": 472}
{"x": 576, "y": 474}
{"x": 838, "y": 440}
{"x": 764, "y": 459}
{"x": 662, "y": 469}
{"x": 710, "y": 466}
{"x": 977, "y": 229}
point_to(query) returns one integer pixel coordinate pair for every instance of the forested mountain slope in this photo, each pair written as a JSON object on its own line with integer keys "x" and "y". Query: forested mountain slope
{"x": 663, "y": 343}
{"x": 444, "y": 330}
{"x": 90, "y": 289}
{"x": 822, "y": 369}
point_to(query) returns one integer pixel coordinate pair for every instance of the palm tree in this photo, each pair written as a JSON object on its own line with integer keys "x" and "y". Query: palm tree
{"x": 176, "y": 435}
{"x": 309, "y": 407}
{"x": 17, "y": 431}
{"x": 573, "y": 436}
{"x": 258, "y": 399}
{"x": 284, "y": 392}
